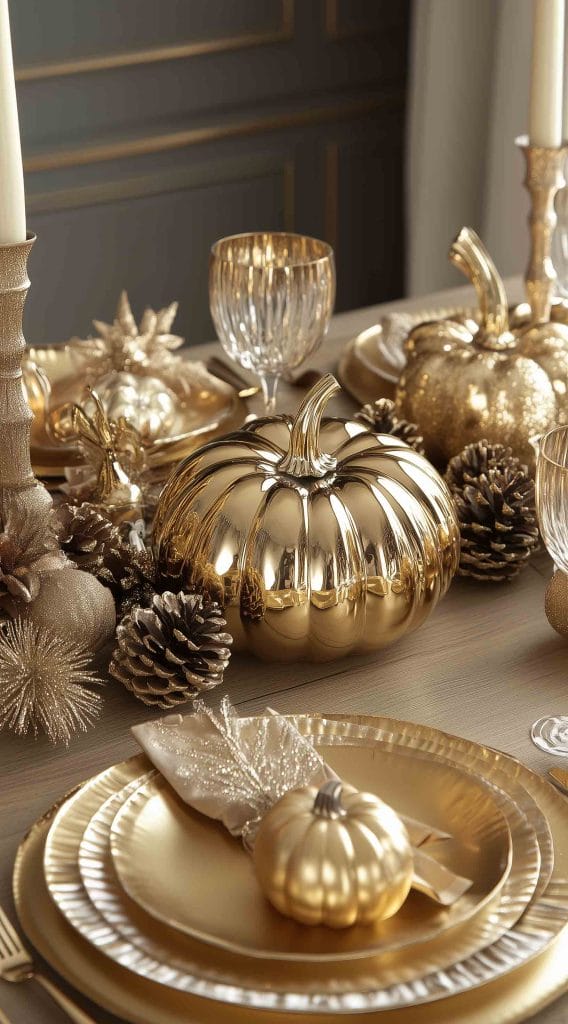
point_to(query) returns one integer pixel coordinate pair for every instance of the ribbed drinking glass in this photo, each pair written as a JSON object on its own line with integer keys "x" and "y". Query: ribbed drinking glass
{"x": 551, "y": 733}
{"x": 271, "y": 295}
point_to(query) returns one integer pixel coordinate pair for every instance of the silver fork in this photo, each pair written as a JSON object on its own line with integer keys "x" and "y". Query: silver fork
{"x": 17, "y": 965}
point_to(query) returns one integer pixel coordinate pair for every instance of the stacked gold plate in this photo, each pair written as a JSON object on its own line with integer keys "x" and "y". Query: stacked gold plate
{"x": 213, "y": 408}
{"x": 153, "y": 911}
{"x": 373, "y": 360}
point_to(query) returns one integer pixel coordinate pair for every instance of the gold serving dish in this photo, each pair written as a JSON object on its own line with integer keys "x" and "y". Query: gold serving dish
{"x": 57, "y": 374}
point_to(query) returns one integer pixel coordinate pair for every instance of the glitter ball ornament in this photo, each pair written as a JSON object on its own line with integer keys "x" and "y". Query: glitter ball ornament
{"x": 42, "y": 677}
{"x": 495, "y": 499}
{"x": 168, "y": 653}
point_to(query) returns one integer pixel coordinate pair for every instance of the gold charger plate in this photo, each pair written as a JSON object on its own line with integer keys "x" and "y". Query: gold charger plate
{"x": 373, "y": 360}
{"x": 190, "y": 898}
{"x": 151, "y": 949}
{"x": 215, "y": 408}
{"x": 507, "y": 999}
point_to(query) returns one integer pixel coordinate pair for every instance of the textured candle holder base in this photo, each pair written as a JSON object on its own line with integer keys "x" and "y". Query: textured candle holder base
{"x": 18, "y": 486}
{"x": 556, "y": 602}
{"x": 72, "y": 602}
{"x": 544, "y": 177}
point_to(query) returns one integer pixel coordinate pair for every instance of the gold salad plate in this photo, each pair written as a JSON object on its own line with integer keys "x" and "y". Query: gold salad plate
{"x": 214, "y": 407}
{"x": 373, "y": 360}
{"x": 518, "y": 974}
{"x": 127, "y": 935}
{"x": 193, "y": 898}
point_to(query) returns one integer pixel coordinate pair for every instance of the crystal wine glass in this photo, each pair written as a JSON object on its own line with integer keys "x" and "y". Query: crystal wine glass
{"x": 551, "y": 733}
{"x": 271, "y": 295}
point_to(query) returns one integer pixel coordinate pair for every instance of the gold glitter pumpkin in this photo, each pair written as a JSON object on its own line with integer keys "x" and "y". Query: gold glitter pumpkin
{"x": 464, "y": 380}
{"x": 322, "y": 539}
{"x": 333, "y": 856}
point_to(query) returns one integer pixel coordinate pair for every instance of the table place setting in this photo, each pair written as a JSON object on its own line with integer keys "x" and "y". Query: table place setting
{"x": 152, "y": 877}
{"x": 172, "y": 525}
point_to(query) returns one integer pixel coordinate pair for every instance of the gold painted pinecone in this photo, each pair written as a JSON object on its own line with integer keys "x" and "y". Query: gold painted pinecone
{"x": 495, "y": 499}
{"x": 170, "y": 652}
{"x": 130, "y": 574}
{"x": 85, "y": 533}
{"x": 381, "y": 418}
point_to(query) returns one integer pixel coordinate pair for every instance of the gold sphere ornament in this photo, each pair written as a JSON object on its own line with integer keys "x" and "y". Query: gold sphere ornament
{"x": 75, "y": 605}
{"x": 320, "y": 539}
{"x": 465, "y": 380}
{"x": 556, "y": 602}
{"x": 333, "y": 857}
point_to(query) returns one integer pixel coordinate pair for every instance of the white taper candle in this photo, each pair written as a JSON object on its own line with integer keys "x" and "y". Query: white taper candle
{"x": 12, "y": 199}
{"x": 545, "y": 113}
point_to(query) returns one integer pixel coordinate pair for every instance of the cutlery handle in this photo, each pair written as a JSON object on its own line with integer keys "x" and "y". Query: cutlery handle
{"x": 74, "y": 1012}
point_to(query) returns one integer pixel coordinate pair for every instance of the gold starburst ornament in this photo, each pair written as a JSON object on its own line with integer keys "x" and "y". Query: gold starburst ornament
{"x": 42, "y": 682}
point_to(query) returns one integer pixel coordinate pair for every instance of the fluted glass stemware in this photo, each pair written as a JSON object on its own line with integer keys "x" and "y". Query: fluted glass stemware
{"x": 551, "y": 732}
{"x": 271, "y": 295}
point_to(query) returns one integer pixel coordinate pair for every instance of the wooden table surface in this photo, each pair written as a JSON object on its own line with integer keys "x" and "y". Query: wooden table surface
{"x": 485, "y": 665}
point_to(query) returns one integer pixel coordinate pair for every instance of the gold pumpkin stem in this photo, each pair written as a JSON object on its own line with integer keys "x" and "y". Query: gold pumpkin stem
{"x": 304, "y": 456}
{"x": 327, "y": 803}
{"x": 469, "y": 255}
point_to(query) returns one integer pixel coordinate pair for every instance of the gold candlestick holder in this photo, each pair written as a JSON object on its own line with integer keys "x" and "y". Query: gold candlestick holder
{"x": 69, "y": 602}
{"x": 544, "y": 177}
{"x": 19, "y": 488}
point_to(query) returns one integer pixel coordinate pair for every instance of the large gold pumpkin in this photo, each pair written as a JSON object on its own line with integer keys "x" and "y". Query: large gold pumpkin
{"x": 333, "y": 857}
{"x": 465, "y": 381}
{"x": 319, "y": 539}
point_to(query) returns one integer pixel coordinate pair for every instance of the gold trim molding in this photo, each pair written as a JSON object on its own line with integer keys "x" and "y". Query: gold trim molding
{"x": 142, "y": 187}
{"x": 58, "y": 159}
{"x": 155, "y": 54}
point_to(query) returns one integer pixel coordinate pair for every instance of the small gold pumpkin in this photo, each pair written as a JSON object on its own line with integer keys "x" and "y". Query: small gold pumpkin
{"x": 464, "y": 380}
{"x": 146, "y": 402}
{"x": 333, "y": 857}
{"x": 324, "y": 539}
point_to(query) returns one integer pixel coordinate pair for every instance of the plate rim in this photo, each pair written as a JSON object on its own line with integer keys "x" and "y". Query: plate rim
{"x": 320, "y": 958}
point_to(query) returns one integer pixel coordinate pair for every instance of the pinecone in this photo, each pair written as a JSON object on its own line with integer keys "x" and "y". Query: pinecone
{"x": 381, "y": 418}
{"x": 495, "y": 500}
{"x": 130, "y": 574}
{"x": 476, "y": 459}
{"x": 85, "y": 533}
{"x": 168, "y": 653}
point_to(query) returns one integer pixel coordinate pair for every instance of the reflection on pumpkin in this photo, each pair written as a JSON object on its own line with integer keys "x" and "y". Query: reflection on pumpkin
{"x": 328, "y": 539}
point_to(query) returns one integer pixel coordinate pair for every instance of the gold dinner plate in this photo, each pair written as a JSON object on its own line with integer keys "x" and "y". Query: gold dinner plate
{"x": 373, "y": 360}
{"x": 130, "y": 937}
{"x": 215, "y": 408}
{"x": 510, "y": 997}
{"x": 154, "y": 827}
{"x": 128, "y": 922}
